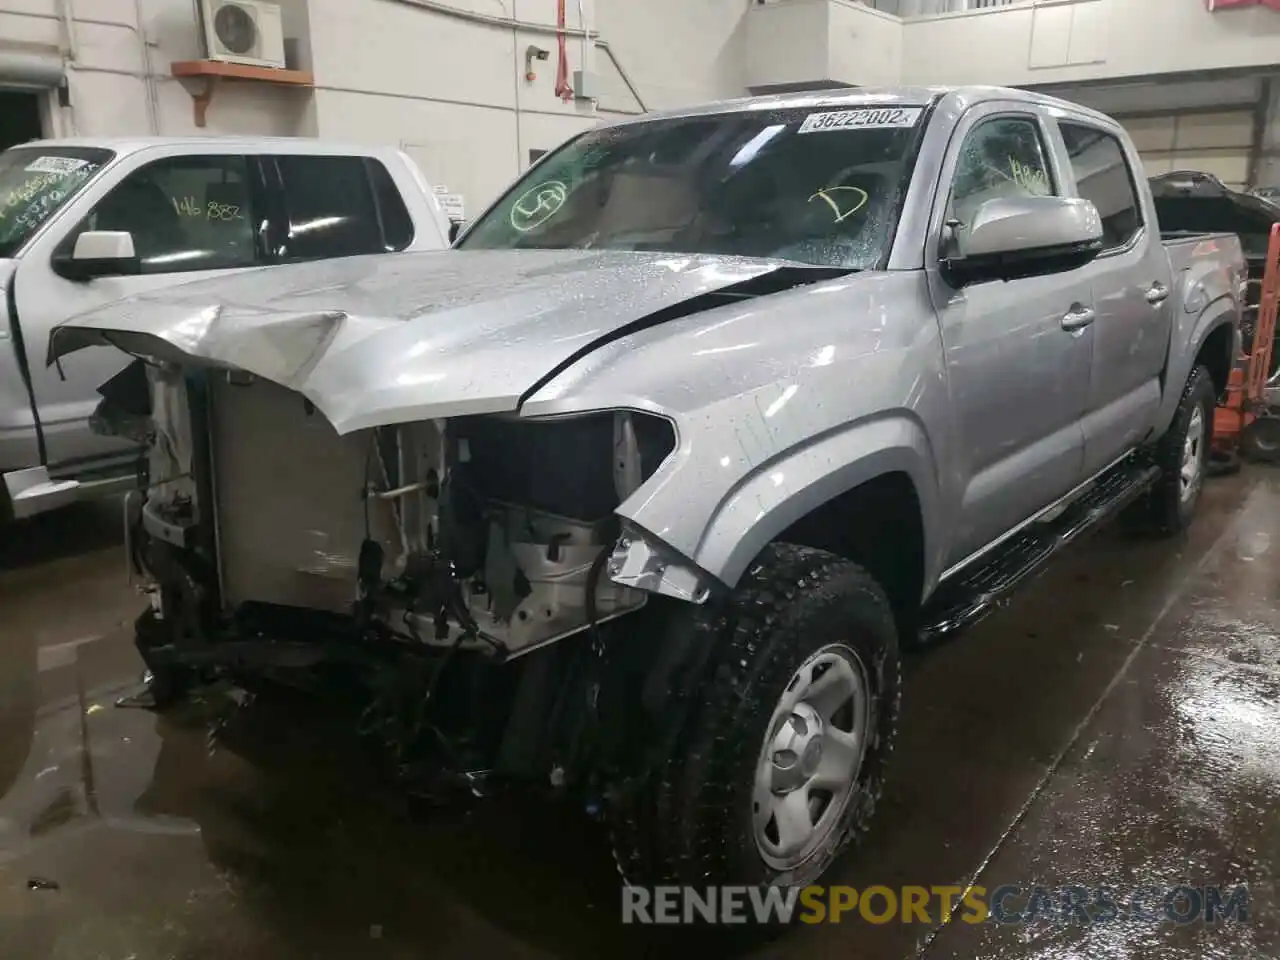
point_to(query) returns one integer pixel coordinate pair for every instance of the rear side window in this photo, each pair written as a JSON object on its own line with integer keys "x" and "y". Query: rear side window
{"x": 329, "y": 207}
{"x": 1104, "y": 179}
{"x": 184, "y": 213}
{"x": 397, "y": 225}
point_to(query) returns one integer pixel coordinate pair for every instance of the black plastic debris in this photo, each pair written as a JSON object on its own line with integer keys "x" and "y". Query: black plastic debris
{"x": 40, "y": 883}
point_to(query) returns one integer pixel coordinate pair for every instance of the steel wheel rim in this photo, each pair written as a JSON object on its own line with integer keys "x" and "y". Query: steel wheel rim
{"x": 1192, "y": 455}
{"x": 1266, "y": 438}
{"x": 813, "y": 751}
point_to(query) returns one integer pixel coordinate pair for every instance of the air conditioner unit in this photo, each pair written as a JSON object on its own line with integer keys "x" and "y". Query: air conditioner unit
{"x": 243, "y": 31}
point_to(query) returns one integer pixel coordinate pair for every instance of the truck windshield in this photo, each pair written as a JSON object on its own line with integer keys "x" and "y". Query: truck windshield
{"x": 35, "y": 182}
{"x": 815, "y": 186}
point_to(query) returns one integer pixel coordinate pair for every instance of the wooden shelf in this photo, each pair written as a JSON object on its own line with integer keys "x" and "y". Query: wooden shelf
{"x": 214, "y": 71}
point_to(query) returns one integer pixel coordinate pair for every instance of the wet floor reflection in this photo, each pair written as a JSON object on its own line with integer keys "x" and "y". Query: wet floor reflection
{"x": 276, "y": 837}
{"x": 293, "y": 834}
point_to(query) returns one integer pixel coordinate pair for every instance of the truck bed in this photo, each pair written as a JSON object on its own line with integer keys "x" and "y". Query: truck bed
{"x": 1187, "y": 247}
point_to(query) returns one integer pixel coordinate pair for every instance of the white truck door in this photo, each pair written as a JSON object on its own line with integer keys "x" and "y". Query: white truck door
{"x": 190, "y": 216}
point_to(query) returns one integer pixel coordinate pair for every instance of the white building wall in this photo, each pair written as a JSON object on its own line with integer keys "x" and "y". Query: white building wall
{"x": 118, "y": 54}
{"x": 1083, "y": 40}
{"x": 452, "y": 91}
{"x": 1024, "y": 43}
{"x": 1269, "y": 167}
{"x": 837, "y": 41}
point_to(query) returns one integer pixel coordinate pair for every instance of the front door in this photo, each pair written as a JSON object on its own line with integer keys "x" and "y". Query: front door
{"x": 1018, "y": 367}
{"x": 191, "y": 217}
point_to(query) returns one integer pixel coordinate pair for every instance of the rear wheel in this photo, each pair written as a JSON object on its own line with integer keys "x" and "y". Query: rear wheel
{"x": 1182, "y": 455}
{"x": 1261, "y": 441}
{"x": 779, "y": 767}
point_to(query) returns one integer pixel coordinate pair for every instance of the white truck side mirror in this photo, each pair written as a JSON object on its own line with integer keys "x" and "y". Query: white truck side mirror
{"x": 99, "y": 253}
{"x": 104, "y": 245}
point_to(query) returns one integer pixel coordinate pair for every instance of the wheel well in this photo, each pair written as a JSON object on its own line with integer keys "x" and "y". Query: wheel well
{"x": 878, "y": 526}
{"x": 1215, "y": 356}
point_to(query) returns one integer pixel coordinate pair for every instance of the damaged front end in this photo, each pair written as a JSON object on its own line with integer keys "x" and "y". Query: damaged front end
{"x": 341, "y": 487}
{"x": 426, "y": 560}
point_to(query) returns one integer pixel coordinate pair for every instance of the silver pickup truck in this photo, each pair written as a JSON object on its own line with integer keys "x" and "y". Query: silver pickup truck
{"x": 641, "y": 489}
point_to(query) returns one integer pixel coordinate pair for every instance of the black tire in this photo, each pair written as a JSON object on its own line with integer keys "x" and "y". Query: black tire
{"x": 690, "y": 821}
{"x": 167, "y": 684}
{"x": 1261, "y": 441}
{"x": 1165, "y": 510}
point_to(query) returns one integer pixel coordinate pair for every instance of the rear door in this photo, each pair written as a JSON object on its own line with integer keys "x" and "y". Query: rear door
{"x": 191, "y": 217}
{"x": 1017, "y": 362}
{"x": 1132, "y": 295}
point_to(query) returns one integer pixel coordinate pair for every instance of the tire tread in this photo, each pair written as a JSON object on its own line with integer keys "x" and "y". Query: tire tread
{"x": 672, "y": 828}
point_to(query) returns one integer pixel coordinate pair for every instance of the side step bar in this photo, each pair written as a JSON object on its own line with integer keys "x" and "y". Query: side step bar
{"x": 972, "y": 594}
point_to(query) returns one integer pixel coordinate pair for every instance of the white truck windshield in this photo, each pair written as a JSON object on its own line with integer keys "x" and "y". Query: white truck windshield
{"x": 35, "y": 182}
{"x": 819, "y": 186}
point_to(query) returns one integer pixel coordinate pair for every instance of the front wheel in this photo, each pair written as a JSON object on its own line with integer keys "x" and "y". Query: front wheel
{"x": 1182, "y": 455}
{"x": 779, "y": 767}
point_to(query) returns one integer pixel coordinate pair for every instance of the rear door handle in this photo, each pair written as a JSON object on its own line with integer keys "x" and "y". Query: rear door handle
{"x": 1157, "y": 293}
{"x": 1077, "y": 319}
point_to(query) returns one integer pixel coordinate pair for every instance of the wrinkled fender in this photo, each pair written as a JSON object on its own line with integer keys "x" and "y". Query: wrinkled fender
{"x": 1207, "y": 303}
{"x": 779, "y": 404}
{"x": 777, "y": 494}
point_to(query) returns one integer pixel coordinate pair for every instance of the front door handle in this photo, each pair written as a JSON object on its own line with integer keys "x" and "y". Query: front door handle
{"x": 1157, "y": 293}
{"x": 1077, "y": 319}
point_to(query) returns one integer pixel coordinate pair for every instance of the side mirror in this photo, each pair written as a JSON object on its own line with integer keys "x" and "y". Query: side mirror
{"x": 1016, "y": 237}
{"x": 99, "y": 253}
{"x": 455, "y": 228}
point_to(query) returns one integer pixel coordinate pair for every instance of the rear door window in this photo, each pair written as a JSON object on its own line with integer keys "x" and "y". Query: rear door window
{"x": 397, "y": 224}
{"x": 329, "y": 208}
{"x": 1103, "y": 177}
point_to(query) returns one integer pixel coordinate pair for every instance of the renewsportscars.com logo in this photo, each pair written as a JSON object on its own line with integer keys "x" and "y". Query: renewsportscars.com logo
{"x": 1009, "y": 904}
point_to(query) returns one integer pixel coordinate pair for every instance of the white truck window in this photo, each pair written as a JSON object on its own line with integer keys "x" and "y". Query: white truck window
{"x": 1104, "y": 179}
{"x": 397, "y": 223}
{"x": 185, "y": 213}
{"x": 1001, "y": 157}
{"x": 330, "y": 206}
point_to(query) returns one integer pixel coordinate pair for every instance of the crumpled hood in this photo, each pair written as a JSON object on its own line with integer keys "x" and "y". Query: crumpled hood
{"x": 389, "y": 339}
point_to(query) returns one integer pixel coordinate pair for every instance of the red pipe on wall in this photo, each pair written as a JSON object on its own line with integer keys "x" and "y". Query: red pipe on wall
{"x": 1215, "y": 6}
{"x": 563, "y": 90}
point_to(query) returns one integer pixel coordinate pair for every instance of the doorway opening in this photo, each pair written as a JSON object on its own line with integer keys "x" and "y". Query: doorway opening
{"x": 20, "y": 118}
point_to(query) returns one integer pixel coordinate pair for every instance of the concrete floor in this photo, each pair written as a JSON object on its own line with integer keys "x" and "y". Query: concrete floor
{"x": 1119, "y": 724}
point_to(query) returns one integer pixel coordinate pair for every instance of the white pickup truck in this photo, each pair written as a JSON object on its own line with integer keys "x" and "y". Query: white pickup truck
{"x": 84, "y": 222}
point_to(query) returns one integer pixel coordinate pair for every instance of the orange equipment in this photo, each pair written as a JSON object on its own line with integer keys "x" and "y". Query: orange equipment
{"x": 1242, "y": 419}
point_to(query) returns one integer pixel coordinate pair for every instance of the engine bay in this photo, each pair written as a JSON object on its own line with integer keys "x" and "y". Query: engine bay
{"x": 489, "y": 532}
